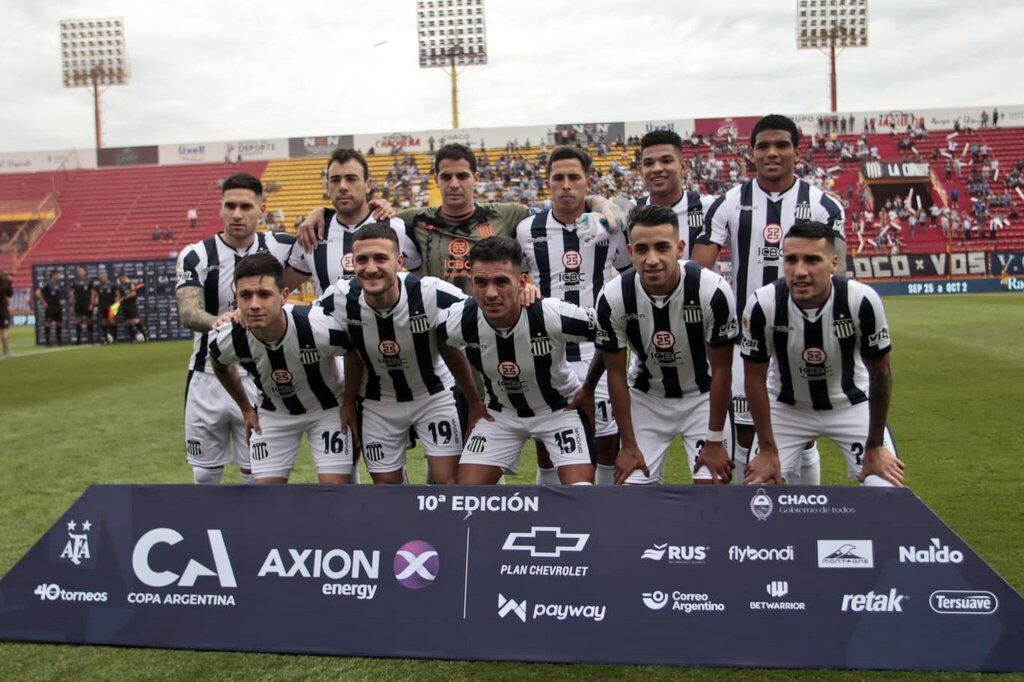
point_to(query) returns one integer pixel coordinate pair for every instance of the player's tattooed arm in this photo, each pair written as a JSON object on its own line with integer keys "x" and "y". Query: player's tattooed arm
{"x": 192, "y": 311}
{"x": 878, "y": 459}
{"x": 765, "y": 466}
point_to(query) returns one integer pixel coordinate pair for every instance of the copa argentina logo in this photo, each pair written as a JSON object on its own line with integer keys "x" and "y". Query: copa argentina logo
{"x": 192, "y": 570}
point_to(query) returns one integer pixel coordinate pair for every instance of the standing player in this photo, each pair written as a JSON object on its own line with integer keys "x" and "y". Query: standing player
{"x": 107, "y": 294}
{"x": 520, "y": 351}
{"x": 290, "y": 354}
{"x": 6, "y": 292}
{"x": 129, "y": 310}
{"x": 753, "y": 218}
{"x": 398, "y": 371}
{"x": 570, "y": 258}
{"x": 349, "y": 188}
{"x": 214, "y": 429}
{"x": 827, "y": 341}
{"x": 661, "y": 166}
{"x": 49, "y": 295}
{"x": 679, "y": 320}
{"x": 83, "y": 303}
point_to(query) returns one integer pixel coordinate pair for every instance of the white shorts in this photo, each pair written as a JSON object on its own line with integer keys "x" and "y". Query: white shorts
{"x": 740, "y": 408}
{"x": 385, "y": 426}
{"x": 847, "y": 427}
{"x": 273, "y": 451}
{"x": 604, "y": 419}
{"x": 214, "y": 432}
{"x": 656, "y": 423}
{"x": 566, "y": 435}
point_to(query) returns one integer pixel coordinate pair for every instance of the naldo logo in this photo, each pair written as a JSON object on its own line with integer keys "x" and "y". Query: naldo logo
{"x": 934, "y": 553}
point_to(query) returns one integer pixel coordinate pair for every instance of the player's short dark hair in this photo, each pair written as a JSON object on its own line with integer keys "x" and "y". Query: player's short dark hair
{"x": 261, "y": 264}
{"x": 812, "y": 229}
{"x": 52, "y": 273}
{"x": 568, "y": 153}
{"x": 661, "y": 137}
{"x": 377, "y": 231}
{"x": 243, "y": 181}
{"x": 454, "y": 152}
{"x": 497, "y": 250}
{"x": 652, "y": 215}
{"x": 341, "y": 155}
{"x": 776, "y": 122}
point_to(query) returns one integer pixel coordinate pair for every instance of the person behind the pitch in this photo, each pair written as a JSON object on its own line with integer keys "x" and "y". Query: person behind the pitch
{"x": 827, "y": 343}
{"x": 290, "y": 354}
{"x": 129, "y": 311}
{"x": 6, "y": 293}
{"x": 570, "y": 256}
{"x": 398, "y": 373}
{"x": 679, "y": 320}
{"x": 519, "y": 350}
{"x": 83, "y": 304}
{"x": 107, "y": 294}
{"x": 49, "y": 294}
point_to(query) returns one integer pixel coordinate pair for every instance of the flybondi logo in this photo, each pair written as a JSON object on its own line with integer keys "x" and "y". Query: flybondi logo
{"x": 520, "y": 610}
{"x": 748, "y": 553}
{"x": 935, "y": 553}
{"x": 193, "y": 570}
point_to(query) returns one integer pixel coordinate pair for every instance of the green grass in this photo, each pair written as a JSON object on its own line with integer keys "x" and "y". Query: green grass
{"x": 113, "y": 415}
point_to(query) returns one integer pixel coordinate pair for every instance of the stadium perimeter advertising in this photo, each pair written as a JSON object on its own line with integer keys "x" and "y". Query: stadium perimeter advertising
{"x": 768, "y": 577}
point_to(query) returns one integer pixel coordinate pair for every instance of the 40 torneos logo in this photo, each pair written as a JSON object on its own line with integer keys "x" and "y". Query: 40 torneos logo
{"x": 416, "y": 564}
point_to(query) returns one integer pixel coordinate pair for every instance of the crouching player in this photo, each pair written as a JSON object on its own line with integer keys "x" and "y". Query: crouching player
{"x": 397, "y": 369}
{"x": 679, "y": 319}
{"x": 815, "y": 349}
{"x": 520, "y": 352}
{"x": 290, "y": 354}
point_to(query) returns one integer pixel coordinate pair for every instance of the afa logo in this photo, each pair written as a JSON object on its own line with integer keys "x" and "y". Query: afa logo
{"x": 572, "y": 260}
{"x": 76, "y": 549}
{"x": 508, "y": 369}
{"x": 664, "y": 339}
{"x": 459, "y": 247}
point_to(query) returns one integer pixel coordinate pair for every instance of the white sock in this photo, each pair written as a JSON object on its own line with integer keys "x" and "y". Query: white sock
{"x": 810, "y": 468}
{"x": 204, "y": 476}
{"x": 582, "y": 483}
{"x": 877, "y": 482}
{"x": 247, "y": 479}
{"x": 547, "y": 476}
{"x": 501, "y": 481}
{"x": 605, "y": 474}
{"x": 742, "y": 456}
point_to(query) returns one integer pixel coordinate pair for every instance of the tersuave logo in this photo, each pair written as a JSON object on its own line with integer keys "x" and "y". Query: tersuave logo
{"x": 935, "y": 553}
{"x": 965, "y": 602}
{"x": 193, "y": 570}
{"x": 874, "y": 603}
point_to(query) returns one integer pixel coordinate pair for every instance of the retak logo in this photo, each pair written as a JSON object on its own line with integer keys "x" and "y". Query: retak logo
{"x": 874, "y": 603}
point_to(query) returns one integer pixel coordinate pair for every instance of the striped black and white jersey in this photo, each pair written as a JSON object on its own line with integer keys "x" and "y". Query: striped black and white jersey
{"x": 690, "y": 209}
{"x": 298, "y": 374}
{"x": 210, "y": 265}
{"x": 571, "y": 262}
{"x": 398, "y": 346}
{"x": 669, "y": 334}
{"x": 753, "y": 223}
{"x": 332, "y": 257}
{"x": 524, "y": 367}
{"x": 816, "y": 355}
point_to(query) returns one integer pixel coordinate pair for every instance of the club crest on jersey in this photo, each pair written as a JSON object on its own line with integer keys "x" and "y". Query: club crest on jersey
{"x": 347, "y": 261}
{"x": 664, "y": 340}
{"x": 814, "y": 356}
{"x": 419, "y": 324}
{"x": 476, "y": 444}
{"x": 485, "y": 230}
{"x": 693, "y": 314}
{"x": 695, "y": 220}
{"x": 309, "y": 356}
{"x": 572, "y": 259}
{"x": 458, "y": 247}
{"x": 772, "y": 234}
{"x": 802, "y": 211}
{"x": 843, "y": 328}
{"x": 508, "y": 369}
{"x": 281, "y": 376}
{"x": 540, "y": 345}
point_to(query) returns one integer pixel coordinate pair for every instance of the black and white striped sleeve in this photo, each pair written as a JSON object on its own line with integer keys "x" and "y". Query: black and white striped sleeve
{"x": 331, "y": 338}
{"x": 188, "y": 268}
{"x": 756, "y": 344}
{"x": 873, "y": 330}
{"x": 447, "y": 294}
{"x": 833, "y": 215}
{"x": 449, "y": 326}
{"x": 720, "y": 324}
{"x": 611, "y": 329}
{"x": 574, "y": 322}
{"x": 281, "y": 246}
{"x": 222, "y": 347}
{"x": 716, "y": 222}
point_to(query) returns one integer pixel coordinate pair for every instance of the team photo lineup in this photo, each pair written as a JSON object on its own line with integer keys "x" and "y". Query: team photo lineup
{"x": 597, "y": 330}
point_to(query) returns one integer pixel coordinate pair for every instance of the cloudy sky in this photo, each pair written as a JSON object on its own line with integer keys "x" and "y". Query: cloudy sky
{"x": 205, "y": 71}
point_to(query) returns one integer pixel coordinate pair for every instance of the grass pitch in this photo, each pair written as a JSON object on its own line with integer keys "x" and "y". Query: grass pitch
{"x": 77, "y": 416}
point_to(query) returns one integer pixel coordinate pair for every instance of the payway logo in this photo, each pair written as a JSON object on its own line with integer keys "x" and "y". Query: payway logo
{"x": 507, "y": 606}
{"x": 546, "y": 541}
{"x": 519, "y": 609}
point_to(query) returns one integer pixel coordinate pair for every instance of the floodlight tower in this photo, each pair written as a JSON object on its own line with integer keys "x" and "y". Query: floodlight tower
{"x": 93, "y": 54}
{"x": 827, "y": 24}
{"x": 451, "y": 35}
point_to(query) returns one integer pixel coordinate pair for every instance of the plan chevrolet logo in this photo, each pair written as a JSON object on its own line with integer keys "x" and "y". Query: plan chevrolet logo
{"x": 546, "y": 541}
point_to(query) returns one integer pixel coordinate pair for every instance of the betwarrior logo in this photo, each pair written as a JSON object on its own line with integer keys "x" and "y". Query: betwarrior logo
{"x": 935, "y": 553}
{"x": 874, "y": 603}
{"x": 777, "y": 589}
{"x": 416, "y": 564}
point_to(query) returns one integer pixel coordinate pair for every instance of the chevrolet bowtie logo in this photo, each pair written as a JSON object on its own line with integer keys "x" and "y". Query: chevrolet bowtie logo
{"x": 546, "y": 541}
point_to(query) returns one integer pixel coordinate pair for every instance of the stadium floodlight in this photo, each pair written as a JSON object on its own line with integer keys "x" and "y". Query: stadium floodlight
{"x": 451, "y": 35}
{"x": 827, "y": 24}
{"x": 92, "y": 55}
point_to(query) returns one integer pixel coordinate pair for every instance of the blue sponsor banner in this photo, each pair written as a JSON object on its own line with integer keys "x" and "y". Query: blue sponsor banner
{"x": 732, "y": 576}
{"x": 988, "y": 285}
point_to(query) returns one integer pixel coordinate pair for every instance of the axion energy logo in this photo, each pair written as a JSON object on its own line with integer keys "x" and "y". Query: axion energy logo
{"x": 416, "y": 564}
